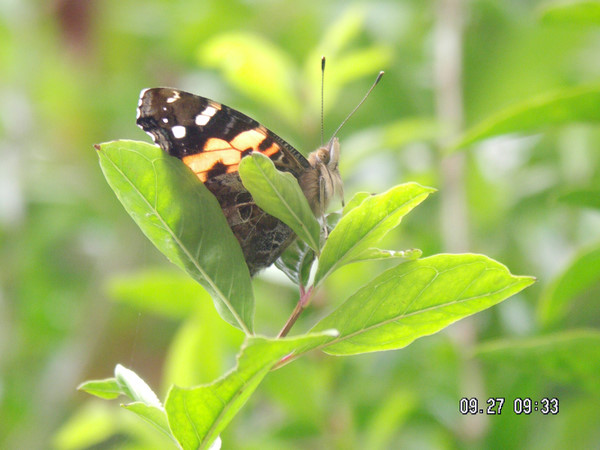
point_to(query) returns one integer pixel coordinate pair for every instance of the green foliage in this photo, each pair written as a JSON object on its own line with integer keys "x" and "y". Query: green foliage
{"x": 198, "y": 415}
{"x": 194, "y": 417}
{"x": 278, "y": 194}
{"x": 405, "y": 302}
{"x": 296, "y": 262}
{"x": 82, "y": 289}
{"x": 365, "y": 224}
{"x": 416, "y": 299}
{"x": 184, "y": 220}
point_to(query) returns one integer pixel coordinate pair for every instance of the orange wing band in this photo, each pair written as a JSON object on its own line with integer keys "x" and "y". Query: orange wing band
{"x": 227, "y": 155}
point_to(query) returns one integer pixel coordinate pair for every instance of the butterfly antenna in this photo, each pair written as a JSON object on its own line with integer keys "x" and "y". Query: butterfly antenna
{"x": 322, "y": 97}
{"x": 358, "y": 106}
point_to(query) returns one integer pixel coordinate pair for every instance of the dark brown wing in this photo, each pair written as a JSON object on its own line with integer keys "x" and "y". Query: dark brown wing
{"x": 211, "y": 139}
{"x": 207, "y": 135}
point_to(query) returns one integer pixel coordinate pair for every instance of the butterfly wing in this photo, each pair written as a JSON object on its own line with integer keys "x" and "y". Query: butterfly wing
{"x": 211, "y": 139}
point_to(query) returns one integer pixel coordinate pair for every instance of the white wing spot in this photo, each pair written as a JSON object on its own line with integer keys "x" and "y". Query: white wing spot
{"x": 152, "y": 136}
{"x": 175, "y": 97}
{"x": 178, "y": 131}
{"x": 165, "y": 120}
{"x": 202, "y": 120}
{"x": 204, "y": 117}
{"x": 209, "y": 111}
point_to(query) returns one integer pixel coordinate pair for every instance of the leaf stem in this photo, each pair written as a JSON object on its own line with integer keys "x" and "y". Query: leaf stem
{"x": 303, "y": 302}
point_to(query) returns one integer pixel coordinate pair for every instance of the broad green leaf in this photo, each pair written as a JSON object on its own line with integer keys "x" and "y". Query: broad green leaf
{"x": 356, "y": 200}
{"x": 572, "y": 13}
{"x": 584, "y": 198}
{"x": 249, "y": 62}
{"x": 198, "y": 415}
{"x": 581, "y": 104}
{"x": 571, "y": 357}
{"x": 184, "y": 220}
{"x": 134, "y": 387}
{"x": 366, "y": 224}
{"x": 153, "y": 290}
{"x": 371, "y": 254}
{"x": 152, "y": 414}
{"x": 581, "y": 274}
{"x": 296, "y": 262}
{"x": 107, "y": 389}
{"x": 416, "y": 299}
{"x": 279, "y": 194}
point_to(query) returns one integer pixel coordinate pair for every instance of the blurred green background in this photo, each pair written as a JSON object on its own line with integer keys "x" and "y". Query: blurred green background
{"x": 81, "y": 289}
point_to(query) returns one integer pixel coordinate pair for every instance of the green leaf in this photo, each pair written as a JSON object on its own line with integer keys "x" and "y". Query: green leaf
{"x": 198, "y": 415}
{"x": 126, "y": 382}
{"x": 366, "y": 224}
{"x": 418, "y": 298}
{"x": 145, "y": 402}
{"x": 572, "y": 13}
{"x": 571, "y": 357}
{"x": 184, "y": 220}
{"x": 152, "y": 414}
{"x": 107, "y": 389}
{"x": 372, "y": 254}
{"x": 296, "y": 262}
{"x": 581, "y": 104}
{"x": 279, "y": 194}
{"x": 578, "y": 277}
{"x": 355, "y": 201}
{"x": 583, "y": 198}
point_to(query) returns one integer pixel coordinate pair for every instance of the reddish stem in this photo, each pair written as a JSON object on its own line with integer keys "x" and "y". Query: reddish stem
{"x": 303, "y": 302}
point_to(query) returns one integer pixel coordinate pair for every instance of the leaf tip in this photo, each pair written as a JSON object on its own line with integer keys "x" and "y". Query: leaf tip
{"x": 529, "y": 279}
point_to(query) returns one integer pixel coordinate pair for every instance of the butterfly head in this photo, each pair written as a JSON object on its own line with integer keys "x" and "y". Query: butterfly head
{"x": 323, "y": 182}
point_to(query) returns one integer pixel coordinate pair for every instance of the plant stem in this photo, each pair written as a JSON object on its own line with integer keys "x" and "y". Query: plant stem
{"x": 303, "y": 302}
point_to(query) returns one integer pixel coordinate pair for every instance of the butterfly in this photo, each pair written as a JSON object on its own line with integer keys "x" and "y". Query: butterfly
{"x": 212, "y": 138}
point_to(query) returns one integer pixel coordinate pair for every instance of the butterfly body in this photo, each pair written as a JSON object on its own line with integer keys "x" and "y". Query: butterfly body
{"x": 211, "y": 139}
